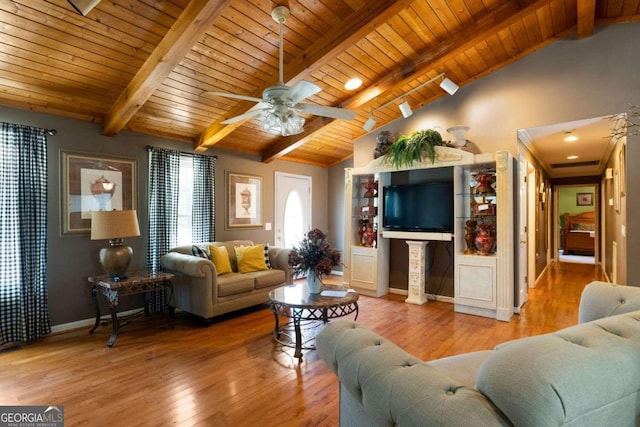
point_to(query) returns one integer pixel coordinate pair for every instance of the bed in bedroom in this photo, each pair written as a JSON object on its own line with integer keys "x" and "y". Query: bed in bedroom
{"x": 579, "y": 233}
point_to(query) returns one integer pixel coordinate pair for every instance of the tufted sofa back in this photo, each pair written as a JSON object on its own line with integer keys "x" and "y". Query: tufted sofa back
{"x": 587, "y": 374}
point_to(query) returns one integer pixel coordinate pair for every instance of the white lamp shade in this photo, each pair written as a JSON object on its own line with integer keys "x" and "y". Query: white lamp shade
{"x": 83, "y": 6}
{"x": 449, "y": 86}
{"x": 405, "y": 109}
{"x": 114, "y": 224}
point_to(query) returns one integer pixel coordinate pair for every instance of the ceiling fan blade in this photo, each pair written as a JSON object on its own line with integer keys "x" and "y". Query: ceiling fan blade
{"x": 248, "y": 115}
{"x": 321, "y": 110}
{"x": 302, "y": 90}
{"x": 233, "y": 95}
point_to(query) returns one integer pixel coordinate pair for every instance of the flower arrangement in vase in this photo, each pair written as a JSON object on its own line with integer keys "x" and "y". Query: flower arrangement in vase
{"x": 314, "y": 257}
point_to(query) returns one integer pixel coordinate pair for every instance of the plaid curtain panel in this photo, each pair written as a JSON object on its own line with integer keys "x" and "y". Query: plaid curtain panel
{"x": 24, "y": 314}
{"x": 164, "y": 173}
{"x": 204, "y": 200}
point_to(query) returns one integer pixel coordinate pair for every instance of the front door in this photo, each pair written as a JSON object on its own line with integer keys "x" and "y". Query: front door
{"x": 292, "y": 208}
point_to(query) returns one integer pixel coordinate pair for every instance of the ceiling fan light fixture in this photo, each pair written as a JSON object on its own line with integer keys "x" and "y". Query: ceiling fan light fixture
{"x": 369, "y": 124}
{"x": 449, "y": 86}
{"x": 283, "y": 124}
{"x": 405, "y": 109}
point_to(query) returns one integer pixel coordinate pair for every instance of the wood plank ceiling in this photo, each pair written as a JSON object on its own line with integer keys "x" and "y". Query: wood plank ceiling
{"x": 146, "y": 65}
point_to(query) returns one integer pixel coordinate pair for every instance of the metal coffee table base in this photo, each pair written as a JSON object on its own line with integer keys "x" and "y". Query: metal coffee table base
{"x": 309, "y": 314}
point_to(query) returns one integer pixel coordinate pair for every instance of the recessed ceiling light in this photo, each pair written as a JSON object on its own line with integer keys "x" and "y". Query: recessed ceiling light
{"x": 572, "y": 157}
{"x": 570, "y": 138}
{"x": 353, "y": 84}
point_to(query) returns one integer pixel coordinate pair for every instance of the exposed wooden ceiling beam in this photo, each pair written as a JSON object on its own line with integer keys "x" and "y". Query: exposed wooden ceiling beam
{"x": 430, "y": 60}
{"x": 190, "y": 26}
{"x": 586, "y": 18}
{"x": 354, "y": 28}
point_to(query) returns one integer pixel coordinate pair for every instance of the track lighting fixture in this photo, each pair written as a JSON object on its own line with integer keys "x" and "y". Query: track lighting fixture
{"x": 369, "y": 124}
{"x": 446, "y": 85}
{"x": 449, "y": 86}
{"x": 83, "y": 6}
{"x": 405, "y": 109}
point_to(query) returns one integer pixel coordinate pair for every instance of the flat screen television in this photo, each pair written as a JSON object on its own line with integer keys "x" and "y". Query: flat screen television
{"x": 424, "y": 207}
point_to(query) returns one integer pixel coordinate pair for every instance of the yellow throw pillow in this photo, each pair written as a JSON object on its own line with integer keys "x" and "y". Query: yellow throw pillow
{"x": 220, "y": 258}
{"x": 250, "y": 258}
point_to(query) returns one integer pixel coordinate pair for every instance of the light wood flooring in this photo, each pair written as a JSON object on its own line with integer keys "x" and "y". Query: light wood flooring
{"x": 231, "y": 373}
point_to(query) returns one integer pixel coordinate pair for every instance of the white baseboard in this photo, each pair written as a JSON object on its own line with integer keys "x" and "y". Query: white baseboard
{"x": 64, "y": 327}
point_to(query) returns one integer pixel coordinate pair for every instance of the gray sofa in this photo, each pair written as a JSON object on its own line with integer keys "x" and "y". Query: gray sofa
{"x": 199, "y": 290}
{"x": 585, "y": 375}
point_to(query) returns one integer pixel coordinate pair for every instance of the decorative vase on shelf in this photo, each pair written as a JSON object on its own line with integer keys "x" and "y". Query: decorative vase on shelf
{"x": 313, "y": 282}
{"x": 483, "y": 240}
{"x": 484, "y": 179}
{"x": 469, "y": 236}
{"x": 368, "y": 236}
{"x": 370, "y": 188}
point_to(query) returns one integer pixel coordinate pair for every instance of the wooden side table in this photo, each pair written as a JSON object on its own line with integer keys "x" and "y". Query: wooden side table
{"x": 137, "y": 282}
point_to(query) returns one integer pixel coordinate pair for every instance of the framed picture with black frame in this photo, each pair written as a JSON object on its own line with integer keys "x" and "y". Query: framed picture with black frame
{"x": 584, "y": 199}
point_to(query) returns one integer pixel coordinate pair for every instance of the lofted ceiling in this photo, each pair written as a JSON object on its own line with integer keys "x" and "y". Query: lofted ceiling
{"x": 147, "y": 65}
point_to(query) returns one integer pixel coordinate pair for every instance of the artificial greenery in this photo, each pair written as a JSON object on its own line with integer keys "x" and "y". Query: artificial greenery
{"x": 409, "y": 149}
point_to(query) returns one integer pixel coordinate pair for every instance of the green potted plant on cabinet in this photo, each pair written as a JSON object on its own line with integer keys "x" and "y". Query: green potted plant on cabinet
{"x": 408, "y": 149}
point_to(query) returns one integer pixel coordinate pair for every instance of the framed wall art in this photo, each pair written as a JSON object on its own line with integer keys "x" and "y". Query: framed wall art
{"x": 584, "y": 199}
{"x": 244, "y": 200}
{"x": 92, "y": 182}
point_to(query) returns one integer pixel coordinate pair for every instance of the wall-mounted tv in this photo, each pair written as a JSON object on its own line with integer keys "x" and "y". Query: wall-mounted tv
{"x": 424, "y": 207}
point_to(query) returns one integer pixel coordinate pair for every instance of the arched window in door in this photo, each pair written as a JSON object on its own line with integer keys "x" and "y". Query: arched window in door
{"x": 293, "y": 224}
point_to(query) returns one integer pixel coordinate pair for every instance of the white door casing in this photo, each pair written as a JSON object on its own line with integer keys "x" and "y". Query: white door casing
{"x": 523, "y": 167}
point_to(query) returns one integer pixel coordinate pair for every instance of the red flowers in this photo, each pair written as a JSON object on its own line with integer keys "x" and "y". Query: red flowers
{"x": 314, "y": 254}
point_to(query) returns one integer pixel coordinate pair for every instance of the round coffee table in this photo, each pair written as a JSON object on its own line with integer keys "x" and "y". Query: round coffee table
{"x": 295, "y": 302}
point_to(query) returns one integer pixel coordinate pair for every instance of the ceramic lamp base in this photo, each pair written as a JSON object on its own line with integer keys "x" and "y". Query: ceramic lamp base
{"x": 115, "y": 259}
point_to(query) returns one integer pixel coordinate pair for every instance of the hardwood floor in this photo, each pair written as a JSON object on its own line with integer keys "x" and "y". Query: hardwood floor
{"x": 233, "y": 374}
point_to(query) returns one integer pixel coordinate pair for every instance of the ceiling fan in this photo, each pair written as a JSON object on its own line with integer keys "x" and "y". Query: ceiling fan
{"x": 280, "y": 105}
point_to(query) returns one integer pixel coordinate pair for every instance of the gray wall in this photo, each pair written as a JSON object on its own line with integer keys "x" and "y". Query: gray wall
{"x": 71, "y": 259}
{"x": 565, "y": 81}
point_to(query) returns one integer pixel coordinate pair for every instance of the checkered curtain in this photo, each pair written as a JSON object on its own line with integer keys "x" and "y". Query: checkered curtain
{"x": 204, "y": 201}
{"x": 164, "y": 173}
{"x": 23, "y": 234}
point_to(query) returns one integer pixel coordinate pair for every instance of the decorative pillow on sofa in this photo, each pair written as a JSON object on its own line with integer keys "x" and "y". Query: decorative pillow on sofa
{"x": 250, "y": 258}
{"x": 266, "y": 256}
{"x": 220, "y": 258}
{"x": 201, "y": 251}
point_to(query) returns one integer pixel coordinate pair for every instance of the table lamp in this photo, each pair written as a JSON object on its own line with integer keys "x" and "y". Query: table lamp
{"x": 115, "y": 225}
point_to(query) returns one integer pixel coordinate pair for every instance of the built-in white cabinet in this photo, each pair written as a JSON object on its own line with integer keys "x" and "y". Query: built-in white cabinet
{"x": 366, "y": 254}
{"x": 484, "y": 273}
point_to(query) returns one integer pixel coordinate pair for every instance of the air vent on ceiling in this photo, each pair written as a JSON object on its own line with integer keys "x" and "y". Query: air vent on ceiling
{"x": 575, "y": 164}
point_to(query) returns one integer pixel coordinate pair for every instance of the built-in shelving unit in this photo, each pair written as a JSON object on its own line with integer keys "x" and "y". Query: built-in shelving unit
{"x": 366, "y": 260}
{"x": 484, "y": 279}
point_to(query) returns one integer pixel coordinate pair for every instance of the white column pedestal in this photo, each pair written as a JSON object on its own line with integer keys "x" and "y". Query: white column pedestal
{"x": 417, "y": 278}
